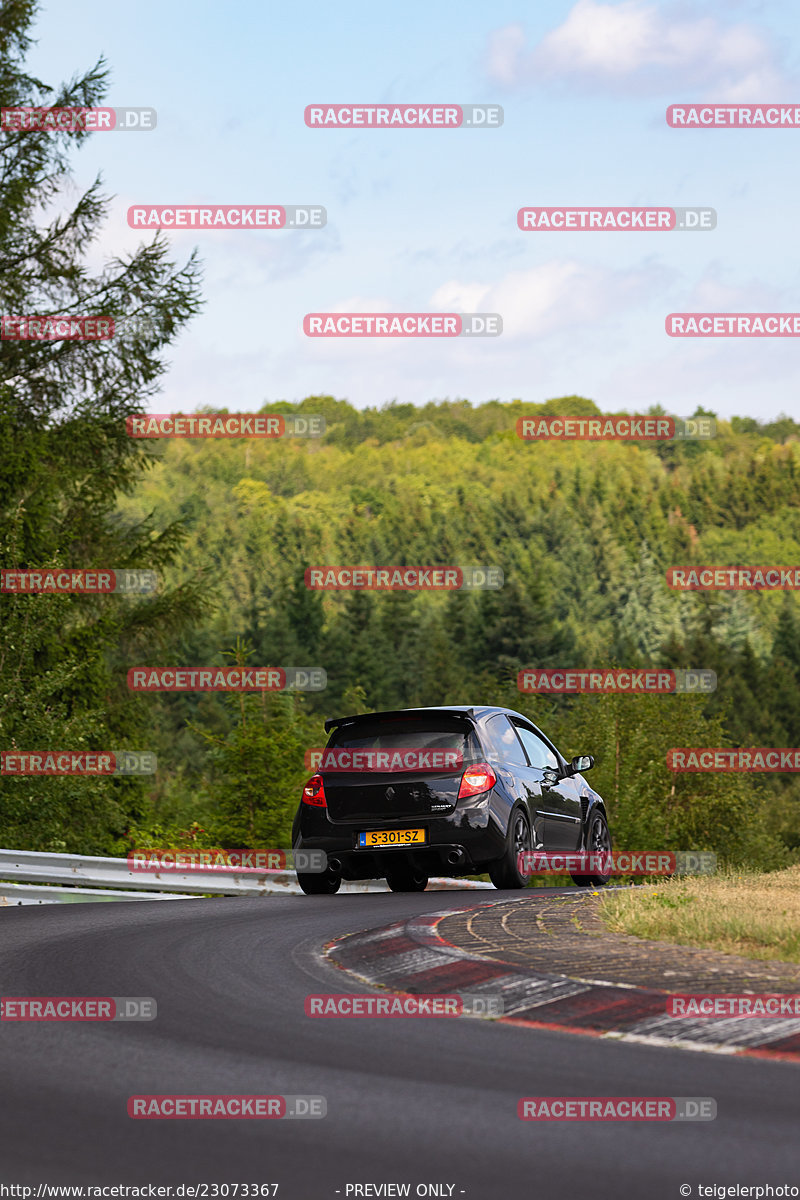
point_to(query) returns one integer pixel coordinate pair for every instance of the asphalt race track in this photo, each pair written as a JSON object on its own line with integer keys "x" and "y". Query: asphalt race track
{"x": 409, "y": 1101}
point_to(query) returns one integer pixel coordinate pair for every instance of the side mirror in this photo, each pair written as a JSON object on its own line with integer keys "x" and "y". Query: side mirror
{"x": 581, "y": 762}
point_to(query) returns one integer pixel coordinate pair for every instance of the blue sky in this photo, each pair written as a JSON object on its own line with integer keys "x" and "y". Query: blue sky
{"x": 425, "y": 220}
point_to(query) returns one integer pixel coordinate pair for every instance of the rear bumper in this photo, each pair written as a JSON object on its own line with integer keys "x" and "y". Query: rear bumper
{"x": 462, "y": 843}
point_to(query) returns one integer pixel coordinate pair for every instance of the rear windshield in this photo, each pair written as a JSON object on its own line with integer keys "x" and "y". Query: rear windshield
{"x": 422, "y": 733}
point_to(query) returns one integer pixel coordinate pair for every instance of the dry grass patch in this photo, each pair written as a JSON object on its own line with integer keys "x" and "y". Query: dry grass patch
{"x": 746, "y": 913}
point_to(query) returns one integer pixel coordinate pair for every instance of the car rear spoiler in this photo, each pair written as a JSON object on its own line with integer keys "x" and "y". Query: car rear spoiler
{"x": 336, "y": 722}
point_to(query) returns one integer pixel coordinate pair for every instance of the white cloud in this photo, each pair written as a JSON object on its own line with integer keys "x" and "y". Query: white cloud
{"x": 505, "y": 54}
{"x": 460, "y": 297}
{"x": 717, "y": 291}
{"x": 638, "y": 48}
{"x": 553, "y": 296}
{"x": 570, "y": 327}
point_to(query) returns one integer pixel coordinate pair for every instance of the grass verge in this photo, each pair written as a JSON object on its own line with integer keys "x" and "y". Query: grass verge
{"x": 739, "y": 912}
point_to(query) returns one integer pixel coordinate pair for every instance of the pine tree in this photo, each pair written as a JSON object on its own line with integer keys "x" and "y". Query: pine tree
{"x": 65, "y": 457}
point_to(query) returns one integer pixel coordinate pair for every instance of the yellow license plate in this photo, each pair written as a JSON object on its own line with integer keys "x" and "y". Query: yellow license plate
{"x": 391, "y": 837}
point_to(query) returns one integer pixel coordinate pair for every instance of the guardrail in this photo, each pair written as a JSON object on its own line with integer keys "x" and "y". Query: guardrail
{"x": 85, "y": 877}
{"x": 38, "y": 893}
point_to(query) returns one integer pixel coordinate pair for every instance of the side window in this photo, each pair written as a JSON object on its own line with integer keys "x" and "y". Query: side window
{"x": 503, "y": 742}
{"x": 540, "y": 754}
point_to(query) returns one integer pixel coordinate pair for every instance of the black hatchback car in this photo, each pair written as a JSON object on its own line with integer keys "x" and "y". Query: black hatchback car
{"x": 443, "y": 791}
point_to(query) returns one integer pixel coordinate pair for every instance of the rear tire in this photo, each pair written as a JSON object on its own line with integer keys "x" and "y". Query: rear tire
{"x": 598, "y": 841}
{"x": 406, "y": 879}
{"x": 319, "y": 883}
{"x": 504, "y": 872}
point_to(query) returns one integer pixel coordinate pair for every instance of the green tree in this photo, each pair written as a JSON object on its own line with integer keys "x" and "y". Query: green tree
{"x": 258, "y": 768}
{"x": 65, "y": 457}
{"x": 651, "y": 807}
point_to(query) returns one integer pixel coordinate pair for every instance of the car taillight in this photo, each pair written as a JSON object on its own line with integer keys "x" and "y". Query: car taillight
{"x": 314, "y": 793}
{"x": 477, "y": 779}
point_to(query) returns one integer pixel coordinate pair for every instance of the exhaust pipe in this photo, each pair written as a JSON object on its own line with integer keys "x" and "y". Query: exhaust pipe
{"x": 454, "y": 857}
{"x": 335, "y": 865}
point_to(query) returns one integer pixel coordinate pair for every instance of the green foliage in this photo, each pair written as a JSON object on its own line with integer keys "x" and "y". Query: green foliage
{"x": 258, "y": 771}
{"x": 648, "y": 805}
{"x": 65, "y": 456}
{"x": 584, "y": 535}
